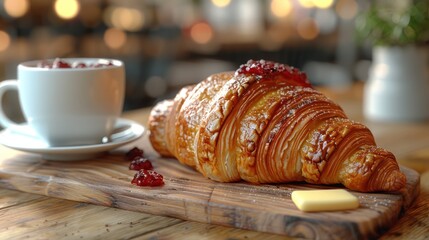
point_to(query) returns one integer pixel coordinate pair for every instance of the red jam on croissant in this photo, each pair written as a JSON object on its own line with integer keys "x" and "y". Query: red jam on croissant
{"x": 266, "y": 124}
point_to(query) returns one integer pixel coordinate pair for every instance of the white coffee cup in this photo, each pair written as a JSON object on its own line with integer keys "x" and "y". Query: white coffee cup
{"x": 68, "y": 106}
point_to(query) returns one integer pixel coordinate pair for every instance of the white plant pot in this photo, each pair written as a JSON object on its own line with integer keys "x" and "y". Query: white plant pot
{"x": 398, "y": 85}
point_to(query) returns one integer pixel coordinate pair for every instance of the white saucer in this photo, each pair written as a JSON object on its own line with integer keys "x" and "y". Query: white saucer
{"x": 125, "y": 132}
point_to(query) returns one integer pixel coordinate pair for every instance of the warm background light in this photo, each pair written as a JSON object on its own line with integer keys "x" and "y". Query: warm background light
{"x": 4, "y": 40}
{"x": 16, "y": 8}
{"x": 67, "y": 9}
{"x": 127, "y": 18}
{"x": 221, "y": 3}
{"x": 347, "y": 9}
{"x": 281, "y": 8}
{"x": 316, "y": 3}
{"x": 306, "y": 3}
{"x": 308, "y": 29}
{"x": 201, "y": 33}
{"x": 323, "y": 3}
{"x": 115, "y": 38}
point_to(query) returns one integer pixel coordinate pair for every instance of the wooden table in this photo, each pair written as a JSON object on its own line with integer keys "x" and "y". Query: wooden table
{"x": 31, "y": 216}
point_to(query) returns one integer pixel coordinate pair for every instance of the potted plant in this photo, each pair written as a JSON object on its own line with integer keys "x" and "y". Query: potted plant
{"x": 398, "y": 84}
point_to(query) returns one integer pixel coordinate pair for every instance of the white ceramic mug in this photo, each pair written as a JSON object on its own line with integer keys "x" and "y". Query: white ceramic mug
{"x": 68, "y": 106}
{"x": 398, "y": 86}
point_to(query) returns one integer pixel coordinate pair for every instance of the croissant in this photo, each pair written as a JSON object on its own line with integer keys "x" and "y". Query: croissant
{"x": 264, "y": 123}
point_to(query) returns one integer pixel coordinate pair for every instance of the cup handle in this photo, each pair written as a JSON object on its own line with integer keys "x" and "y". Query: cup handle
{"x": 5, "y": 121}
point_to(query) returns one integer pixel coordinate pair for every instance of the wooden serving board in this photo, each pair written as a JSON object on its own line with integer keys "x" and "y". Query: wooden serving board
{"x": 188, "y": 195}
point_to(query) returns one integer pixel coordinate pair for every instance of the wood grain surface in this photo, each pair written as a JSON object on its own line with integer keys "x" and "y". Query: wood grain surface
{"x": 187, "y": 195}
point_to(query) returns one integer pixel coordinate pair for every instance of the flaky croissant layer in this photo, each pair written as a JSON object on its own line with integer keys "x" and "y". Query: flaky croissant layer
{"x": 266, "y": 124}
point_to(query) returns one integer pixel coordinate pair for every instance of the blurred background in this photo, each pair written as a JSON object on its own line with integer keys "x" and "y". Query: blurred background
{"x": 167, "y": 44}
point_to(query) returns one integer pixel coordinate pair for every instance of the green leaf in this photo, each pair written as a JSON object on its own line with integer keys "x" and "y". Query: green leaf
{"x": 383, "y": 26}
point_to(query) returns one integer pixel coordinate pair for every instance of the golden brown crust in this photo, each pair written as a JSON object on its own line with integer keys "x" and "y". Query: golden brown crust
{"x": 157, "y": 127}
{"x": 268, "y": 130}
{"x": 328, "y": 145}
{"x": 287, "y": 132}
{"x": 218, "y": 110}
{"x": 191, "y": 112}
{"x": 238, "y": 139}
{"x": 372, "y": 169}
{"x": 172, "y": 138}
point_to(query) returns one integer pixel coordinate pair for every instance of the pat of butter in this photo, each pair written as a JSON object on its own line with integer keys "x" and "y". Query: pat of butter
{"x": 324, "y": 200}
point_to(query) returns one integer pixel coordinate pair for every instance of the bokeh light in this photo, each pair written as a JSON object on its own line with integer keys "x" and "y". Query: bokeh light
{"x": 124, "y": 18}
{"x": 201, "y": 33}
{"x": 347, "y": 9}
{"x": 323, "y": 3}
{"x": 4, "y": 40}
{"x": 306, "y": 3}
{"x": 115, "y": 38}
{"x": 127, "y": 18}
{"x": 281, "y": 8}
{"x": 221, "y": 3}
{"x": 16, "y": 8}
{"x": 307, "y": 28}
{"x": 67, "y": 9}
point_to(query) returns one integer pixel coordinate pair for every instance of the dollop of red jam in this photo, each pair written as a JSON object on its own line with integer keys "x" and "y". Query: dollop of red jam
{"x": 79, "y": 65}
{"x": 145, "y": 175}
{"x": 148, "y": 178}
{"x": 60, "y": 63}
{"x": 135, "y": 152}
{"x": 265, "y": 69}
{"x": 139, "y": 163}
